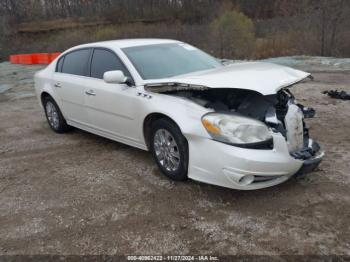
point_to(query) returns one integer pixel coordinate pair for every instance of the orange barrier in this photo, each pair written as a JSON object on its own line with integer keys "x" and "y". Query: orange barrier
{"x": 42, "y": 58}
{"x": 32, "y": 59}
{"x": 14, "y": 59}
{"x": 26, "y": 59}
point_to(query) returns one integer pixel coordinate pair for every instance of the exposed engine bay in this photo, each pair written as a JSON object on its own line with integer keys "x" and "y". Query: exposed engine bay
{"x": 280, "y": 112}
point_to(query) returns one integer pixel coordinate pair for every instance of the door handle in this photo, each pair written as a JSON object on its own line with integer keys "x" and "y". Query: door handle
{"x": 90, "y": 93}
{"x": 57, "y": 85}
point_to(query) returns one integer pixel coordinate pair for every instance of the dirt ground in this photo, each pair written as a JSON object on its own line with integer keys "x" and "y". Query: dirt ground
{"x": 78, "y": 193}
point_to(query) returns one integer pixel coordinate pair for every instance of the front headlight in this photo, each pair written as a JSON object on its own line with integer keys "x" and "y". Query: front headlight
{"x": 235, "y": 129}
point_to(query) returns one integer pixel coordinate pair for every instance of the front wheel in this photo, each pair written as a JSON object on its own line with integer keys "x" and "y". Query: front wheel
{"x": 169, "y": 149}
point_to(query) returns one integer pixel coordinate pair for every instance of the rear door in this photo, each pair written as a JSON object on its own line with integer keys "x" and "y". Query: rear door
{"x": 69, "y": 83}
{"x": 112, "y": 108}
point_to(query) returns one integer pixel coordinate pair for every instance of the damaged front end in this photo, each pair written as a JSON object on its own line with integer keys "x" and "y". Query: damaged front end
{"x": 280, "y": 112}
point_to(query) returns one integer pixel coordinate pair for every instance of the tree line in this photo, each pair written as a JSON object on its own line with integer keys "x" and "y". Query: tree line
{"x": 229, "y": 28}
{"x": 184, "y": 10}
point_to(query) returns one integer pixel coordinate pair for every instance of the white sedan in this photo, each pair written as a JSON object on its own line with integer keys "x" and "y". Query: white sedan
{"x": 235, "y": 125}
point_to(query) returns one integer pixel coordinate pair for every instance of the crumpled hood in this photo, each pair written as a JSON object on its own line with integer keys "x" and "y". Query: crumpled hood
{"x": 264, "y": 78}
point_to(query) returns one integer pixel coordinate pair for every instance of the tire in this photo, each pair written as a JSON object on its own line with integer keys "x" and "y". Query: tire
{"x": 54, "y": 116}
{"x": 168, "y": 145}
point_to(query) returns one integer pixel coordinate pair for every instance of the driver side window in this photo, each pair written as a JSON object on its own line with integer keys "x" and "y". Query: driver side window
{"x": 103, "y": 61}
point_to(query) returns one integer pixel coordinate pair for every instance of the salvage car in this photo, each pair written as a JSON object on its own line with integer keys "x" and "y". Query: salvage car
{"x": 234, "y": 125}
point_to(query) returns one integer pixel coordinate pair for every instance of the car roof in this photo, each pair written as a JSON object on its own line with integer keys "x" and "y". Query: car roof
{"x": 122, "y": 43}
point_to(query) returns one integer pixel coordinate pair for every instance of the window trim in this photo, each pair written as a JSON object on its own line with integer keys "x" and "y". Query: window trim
{"x": 58, "y": 70}
{"x": 86, "y": 72}
{"x": 116, "y": 56}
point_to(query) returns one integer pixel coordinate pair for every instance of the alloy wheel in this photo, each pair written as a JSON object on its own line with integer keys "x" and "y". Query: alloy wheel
{"x": 52, "y": 115}
{"x": 166, "y": 150}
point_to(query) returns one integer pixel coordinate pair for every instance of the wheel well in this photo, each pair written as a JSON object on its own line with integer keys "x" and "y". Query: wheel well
{"x": 147, "y": 124}
{"x": 43, "y": 96}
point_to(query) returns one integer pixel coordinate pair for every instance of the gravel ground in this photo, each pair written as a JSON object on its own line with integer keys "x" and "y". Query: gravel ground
{"x": 78, "y": 193}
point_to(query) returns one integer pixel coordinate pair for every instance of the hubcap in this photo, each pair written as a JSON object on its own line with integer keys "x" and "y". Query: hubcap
{"x": 52, "y": 115}
{"x": 166, "y": 149}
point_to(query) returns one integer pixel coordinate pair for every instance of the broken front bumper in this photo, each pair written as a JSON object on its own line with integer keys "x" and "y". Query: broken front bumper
{"x": 311, "y": 157}
{"x": 309, "y": 165}
{"x": 225, "y": 165}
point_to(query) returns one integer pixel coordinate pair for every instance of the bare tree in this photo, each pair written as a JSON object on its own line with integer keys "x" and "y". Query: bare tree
{"x": 330, "y": 18}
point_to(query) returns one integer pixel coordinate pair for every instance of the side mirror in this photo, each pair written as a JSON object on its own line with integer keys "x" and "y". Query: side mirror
{"x": 115, "y": 77}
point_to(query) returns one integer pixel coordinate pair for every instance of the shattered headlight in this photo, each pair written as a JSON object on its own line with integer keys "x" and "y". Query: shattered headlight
{"x": 236, "y": 130}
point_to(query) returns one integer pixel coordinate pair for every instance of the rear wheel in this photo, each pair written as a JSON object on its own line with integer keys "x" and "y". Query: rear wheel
{"x": 169, "y": 149}
{"x": 54, "y": 116}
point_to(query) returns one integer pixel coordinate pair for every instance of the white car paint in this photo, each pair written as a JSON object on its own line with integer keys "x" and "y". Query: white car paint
{"x": 118, "y": 112}
{"x": 268, "y": 78}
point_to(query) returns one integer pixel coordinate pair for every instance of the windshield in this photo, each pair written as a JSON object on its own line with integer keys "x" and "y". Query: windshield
{"x": 167, "y": 60}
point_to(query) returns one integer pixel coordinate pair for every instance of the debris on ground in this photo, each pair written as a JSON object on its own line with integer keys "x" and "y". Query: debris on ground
{"x": 337, "y": 94}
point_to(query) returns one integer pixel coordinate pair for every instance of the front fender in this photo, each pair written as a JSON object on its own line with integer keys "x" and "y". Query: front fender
{"x": 186, "y": 114}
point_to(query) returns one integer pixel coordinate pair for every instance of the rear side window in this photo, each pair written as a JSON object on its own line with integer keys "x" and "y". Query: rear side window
{"x": 103, "y": 61}
{"x": 76, "y": 62}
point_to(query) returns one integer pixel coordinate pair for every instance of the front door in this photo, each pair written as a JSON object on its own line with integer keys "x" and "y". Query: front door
{"x": 112, "y": 108}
